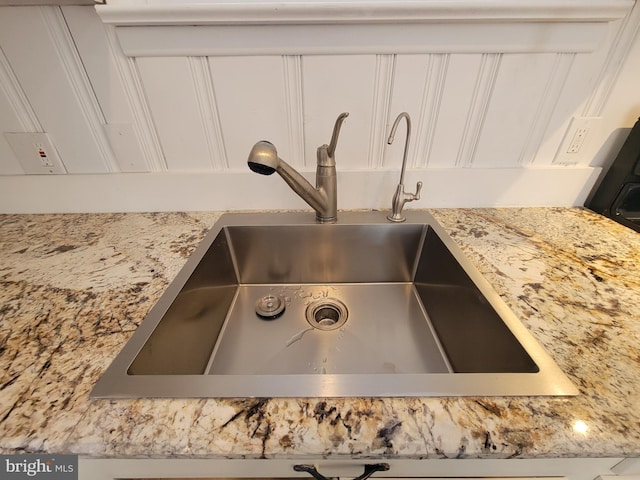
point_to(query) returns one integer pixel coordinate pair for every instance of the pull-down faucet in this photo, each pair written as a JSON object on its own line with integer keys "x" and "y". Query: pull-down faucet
{"x": 264, "y": 159}
{"x": 401, "y": 197}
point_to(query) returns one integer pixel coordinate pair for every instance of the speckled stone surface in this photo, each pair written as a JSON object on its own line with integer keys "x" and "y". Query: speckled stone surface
{"x": 74, "y": 288}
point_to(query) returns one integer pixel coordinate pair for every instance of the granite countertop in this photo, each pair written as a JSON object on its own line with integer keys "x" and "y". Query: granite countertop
{"x": 75, "y": 287}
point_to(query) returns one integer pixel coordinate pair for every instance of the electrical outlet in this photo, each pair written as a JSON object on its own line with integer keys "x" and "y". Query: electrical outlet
{"x": 577, "y": 142}
{"x": 35, "y": 152}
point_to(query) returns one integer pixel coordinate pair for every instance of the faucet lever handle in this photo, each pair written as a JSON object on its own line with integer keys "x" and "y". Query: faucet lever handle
{"x": 336, "y": 131}
{"x": 416, "y": 196}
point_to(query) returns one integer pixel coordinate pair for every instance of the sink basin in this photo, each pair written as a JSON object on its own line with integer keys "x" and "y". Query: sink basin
{"x": 275, "y": 305}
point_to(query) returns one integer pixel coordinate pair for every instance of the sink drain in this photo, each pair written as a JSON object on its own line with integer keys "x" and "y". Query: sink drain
{"x": 327, "y": 314}
{"x": 270, "y": 307}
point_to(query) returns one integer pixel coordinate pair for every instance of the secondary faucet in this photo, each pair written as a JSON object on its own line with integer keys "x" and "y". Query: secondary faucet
{"x": 263, "y": 159}
{"x": 400, "y": 197}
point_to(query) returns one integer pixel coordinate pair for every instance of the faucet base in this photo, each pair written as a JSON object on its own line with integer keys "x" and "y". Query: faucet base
{"x": 326, "y": 219}
{"x": 396, "y": 217}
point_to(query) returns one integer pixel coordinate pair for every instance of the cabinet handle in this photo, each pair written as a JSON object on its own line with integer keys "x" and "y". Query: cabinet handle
{"x": 368, "y": 470}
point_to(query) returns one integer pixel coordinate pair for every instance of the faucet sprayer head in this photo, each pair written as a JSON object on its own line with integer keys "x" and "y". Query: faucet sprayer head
{"x": 263, "y": 158}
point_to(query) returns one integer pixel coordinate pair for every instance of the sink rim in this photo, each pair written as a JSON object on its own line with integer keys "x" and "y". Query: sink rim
{"x": 115, "y": 382}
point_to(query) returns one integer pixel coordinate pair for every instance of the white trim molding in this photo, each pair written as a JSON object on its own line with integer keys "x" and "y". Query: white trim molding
{"x": 346, "y": 39}
{"x": 290, "y": 27}
{"x": 239, "y": 190}
{"x": 263, "y": 12}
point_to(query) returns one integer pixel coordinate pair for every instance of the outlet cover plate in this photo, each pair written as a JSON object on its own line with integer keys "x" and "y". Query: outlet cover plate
{"x": 577, "y": 144}
{"x": 35, "y": 152}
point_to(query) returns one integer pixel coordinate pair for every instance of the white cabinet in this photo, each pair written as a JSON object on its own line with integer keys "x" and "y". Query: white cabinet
{"x": 569, "y": 468}
{"x": 628, "y": 469}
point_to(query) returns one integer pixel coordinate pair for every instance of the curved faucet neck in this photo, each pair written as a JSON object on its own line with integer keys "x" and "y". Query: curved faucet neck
{"x": 404, "y": 115}
{"x": 401, "y": 197}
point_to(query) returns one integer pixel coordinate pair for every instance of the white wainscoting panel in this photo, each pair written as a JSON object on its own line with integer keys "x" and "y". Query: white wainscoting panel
{"x": 9, "y": 164}
{"x": 333, "y": 84}
{"x": 437, "y": 90}
{"x": 253, "y": 96}
{"x": 17, "y": 116}
{"x": 183, "y": 91}
{"x": 513, "y": 98}
{"x": 170, "y": 88}
{"x": 91, "y": 38}
{"x": 43, "y": 59}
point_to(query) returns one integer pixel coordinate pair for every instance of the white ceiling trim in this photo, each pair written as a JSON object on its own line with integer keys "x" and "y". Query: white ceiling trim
{"x": 261, "y": 12}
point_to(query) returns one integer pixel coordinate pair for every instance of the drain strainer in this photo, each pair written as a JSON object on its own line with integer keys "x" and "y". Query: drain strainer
{"x": 270, "y": 307}
{"x": 327, "y": 314}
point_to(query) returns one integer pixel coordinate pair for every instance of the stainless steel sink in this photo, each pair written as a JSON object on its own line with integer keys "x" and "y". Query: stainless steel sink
{"x": 277, "y": 305}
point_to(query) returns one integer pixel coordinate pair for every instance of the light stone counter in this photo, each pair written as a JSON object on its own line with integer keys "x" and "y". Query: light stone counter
{"x": 74, "y": 287}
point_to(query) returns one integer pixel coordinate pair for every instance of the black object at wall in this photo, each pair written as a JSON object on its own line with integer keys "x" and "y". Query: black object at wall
{"x": 618, "y": 195}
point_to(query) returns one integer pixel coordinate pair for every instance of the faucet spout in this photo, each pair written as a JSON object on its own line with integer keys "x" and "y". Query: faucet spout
{"x": 323, "y": 198}
{"x": 315, "y": 197}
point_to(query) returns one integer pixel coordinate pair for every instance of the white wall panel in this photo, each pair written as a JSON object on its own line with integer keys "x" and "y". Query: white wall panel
{"x": 170, "y": 87}
{"x": 484, "y": 83}
{"x": 16, "y": 115}
{"x": 253, "y": 95}
{"x": 551, "y": 96}
{"x": 518, "y": 90}
{"x": 408, "y": 95}
{"x": 437, "y": 90}
{"x": 41, "y": 56}
{"x": 93, "y": 46}
{"x": 9, "y": 122}
{"x": 577, "y": 98}
{"x": 336, "y": 84}
{"x": 455, "y": 111}
{"x": 381, "y": 123}
{"x": 482, "y": 92}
